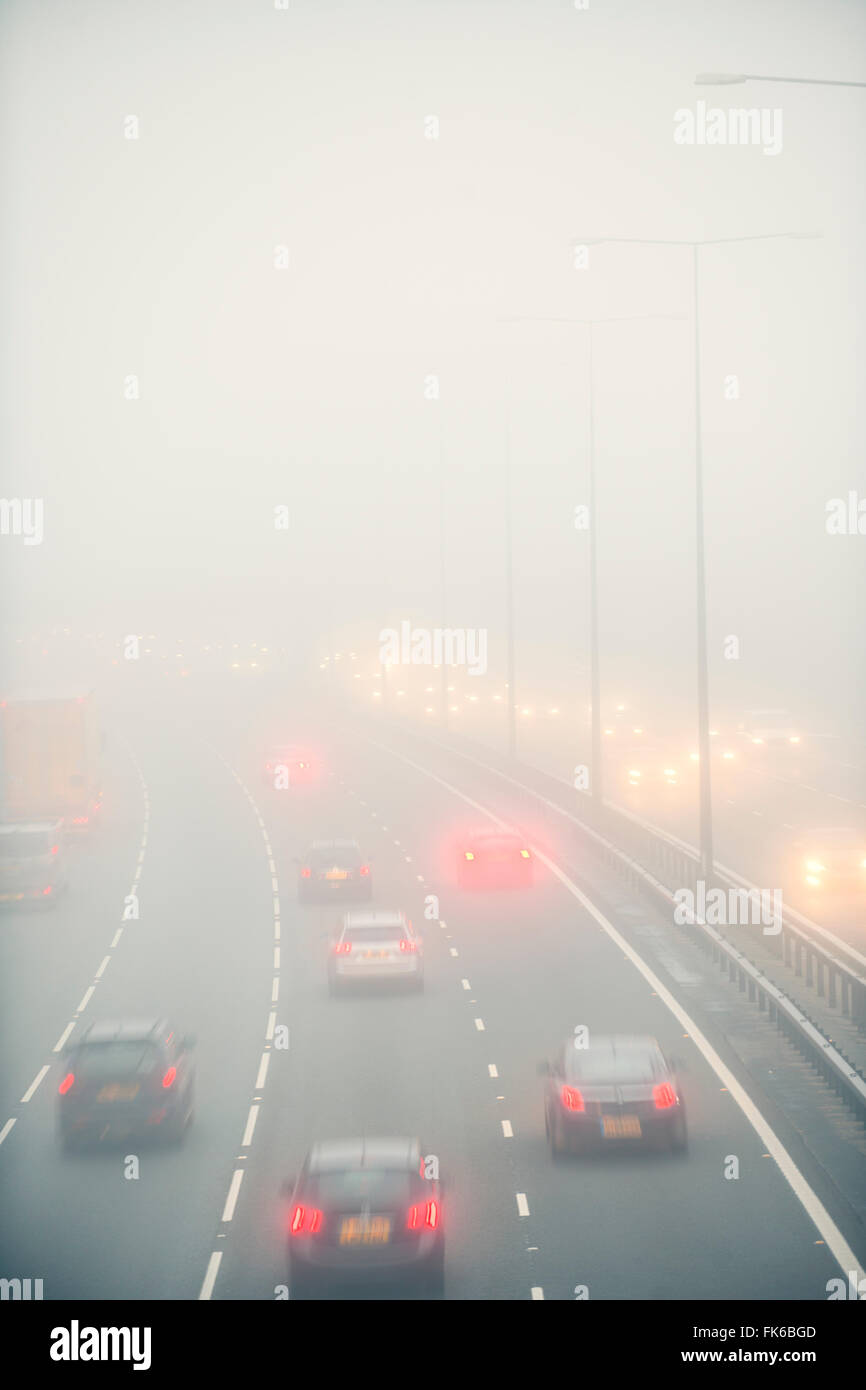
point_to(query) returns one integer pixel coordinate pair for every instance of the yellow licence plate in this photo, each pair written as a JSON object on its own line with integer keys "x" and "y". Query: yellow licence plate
{"x": 116, "y": 1091}
{"x": 336, "y": 873}
{"x": 375, "y": 1230}
{"x": 620, "y": 1126}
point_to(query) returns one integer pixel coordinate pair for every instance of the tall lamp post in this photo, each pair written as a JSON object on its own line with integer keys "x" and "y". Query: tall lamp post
{"x": 706, "y": 799}
{"x": 597, "y": 775}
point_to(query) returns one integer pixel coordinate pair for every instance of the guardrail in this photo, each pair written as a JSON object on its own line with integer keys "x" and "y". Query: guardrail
{"x": 659, "y": 864}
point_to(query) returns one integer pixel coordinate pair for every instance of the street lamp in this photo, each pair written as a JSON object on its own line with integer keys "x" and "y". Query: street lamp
{"x": 729, "y": 79}
{"x": 706, "y": 800}
{"x": 596, "y": 787}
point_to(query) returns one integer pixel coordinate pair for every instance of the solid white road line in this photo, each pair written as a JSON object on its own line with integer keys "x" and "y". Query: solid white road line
{"x": 814, "y": 1208}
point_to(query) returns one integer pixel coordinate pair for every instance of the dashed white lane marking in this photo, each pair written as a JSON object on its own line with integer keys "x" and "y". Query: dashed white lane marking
{"x": 275, "y": 991}
{"x": 277, "y": 929}
{"x": 276, "y": 907}
{"x": 213, "y": 1265}
{"x": 757, "y": 813}
{"x": 420, "y": 878}
{"x": 105, "y": 960}
{"x": 491, "y": 1069}
{"x": 263, "y": 1071}
{"x": 465, "y": 984}
{"x": 232, "y": 1198}
{"x": 537, "y": 1293}
{"x": 479, "y": 1024}
{"x": 269, "y": 1031}
{"x": 137, "y": 875}
{"x": 814, "y": 1208}
{"x": 7, "y": 1128}
{"x": 397, "y": 843}
{"x": 117, "y": 935}
{"x": 408, "y": 858}
{"x": 61, "y": 1041}
{"x": 522, "y": 1204}
{"x": 40, "y": 1075}
{"x": 251, "y": 1124}
{"x": 507, "y": 1131}
{"x": 276, "y": 957}
{"x": 88, "y": 995}
{"x": 453, "y": 950}
{"x": 272, "y": 866}
{"x": 275, "y": 887}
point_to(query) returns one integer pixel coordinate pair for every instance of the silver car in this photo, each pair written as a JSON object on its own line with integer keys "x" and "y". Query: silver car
{"x": 374, "y": 948}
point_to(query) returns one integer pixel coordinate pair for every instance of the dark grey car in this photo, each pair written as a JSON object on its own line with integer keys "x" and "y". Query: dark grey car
{"x": 363, "y": 1212}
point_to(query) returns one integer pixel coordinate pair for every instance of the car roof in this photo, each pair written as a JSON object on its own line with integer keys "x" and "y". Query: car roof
{"x": 618, "y": 1045}
{"x": 374, "y": 919}
{"x": 12, "y": 827}
{"x": 334, "y": 844}
{"x": 124, "y": 1030}
{"x": 341, "y": 1155}
{"x": 496, "y": 835}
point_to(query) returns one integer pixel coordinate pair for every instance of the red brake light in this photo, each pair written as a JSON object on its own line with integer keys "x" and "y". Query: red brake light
{"x": 408, "y": 946}
{"x": 664, "y": 1096}
{"x": 342, "y": 948}
{"x": 365, "y": 869}
{"x": 426, "y": 1215}
{"x": 305, "y": 873}
{"x": 524, "y": 853}
{"x": 67, "y": 1083}
{"x": 54, "y": 849}
{"x": 305, "y": 1221}
{"x": 467, "y": 854}
{"x": 572, "y": 1099}
{"x": 168, "y": 1079}
{"x": 46, "y": 891}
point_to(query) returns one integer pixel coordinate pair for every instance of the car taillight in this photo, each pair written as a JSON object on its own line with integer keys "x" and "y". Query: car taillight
{"x": 467, "y": 854}
{"x": 46, "y": 891}
{"x": 571, "y": 1098}
{"x": 342, "y": 948}
{"x": 168, "y": 1079}
{"x": 408, "y": 946}
{"x": 664, "y": 1096}
{"x": 427, "y": 1214}
{"x": 305, "y": 1221}
{"x": 364, "y": 870}
{"x": 305, "y": 873}
{"x": 524, "y": 854}
{"x": 54, "y": 849}
{"x": 79, "y": 820}
{"x": 67, "y": 1083}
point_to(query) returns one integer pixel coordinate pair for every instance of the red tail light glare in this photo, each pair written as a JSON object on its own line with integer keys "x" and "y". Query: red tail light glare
{"x": 342, "y": 948}
{"x": 524, "y": 854}
{"x": 467, "y": 854}
{"x": 67, "y": 1083}
{"x": 408, "y": 946}
{"x": 426, "y": 1215}
{"x": 168, "y": 1079}
{"x": 664, "y": 1096}
{"x": 46, "y": 891}
{"x": 305, "y": 1221}
{"x": 365, "y": 869}
{"x": 305, "y": 873}
{"x": 572, "y": 1099}
{"x": 54, "y": 849}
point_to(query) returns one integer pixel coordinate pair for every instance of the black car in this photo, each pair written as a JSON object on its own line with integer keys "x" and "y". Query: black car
{"x": 123, "y": 1078}
{"x": 615, "y": 1091}
{"x": 362, "y": 1213}
{"x": 334, "y": 871}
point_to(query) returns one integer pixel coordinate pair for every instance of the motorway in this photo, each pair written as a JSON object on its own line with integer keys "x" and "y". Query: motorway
{"x": 221, "y": 946}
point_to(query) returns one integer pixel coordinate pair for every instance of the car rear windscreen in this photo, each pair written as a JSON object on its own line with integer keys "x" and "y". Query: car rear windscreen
{"x": 117, "y": 1058}
{"x": 349, "y": 1191}
{"x": 607, "y": 1067}
{"x": 386, "y": 932}
{"x": 343, "y": 856}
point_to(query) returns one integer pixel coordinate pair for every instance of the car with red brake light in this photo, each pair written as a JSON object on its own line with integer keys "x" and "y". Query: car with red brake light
{"x": 334, "y": 870}
{"x": 289, "y": 766}
{"x": 615, "y": 1091}
{"x": 362, "y": 1213}
{"x": 126, "y": 1078}
{"x": 495, "y": 859}
{"x": 32, "y": 862}
{"x": 374, "y": 948}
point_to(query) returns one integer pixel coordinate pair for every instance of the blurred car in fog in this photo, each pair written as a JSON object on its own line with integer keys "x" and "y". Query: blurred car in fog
{"x": 620, "y": 1090}
{"x": 290, "y": 766}
{"x": 495, "y": 859}
{"x": 832, "y": 860}
{"x": 773, "y": 729}
{"x": 375, "y": 948}
{"x": 126, "y": 1078}
{"x": 361, "y": 1212}
{"x": 334, "y": 870}
{"x": 32, "y": 862}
